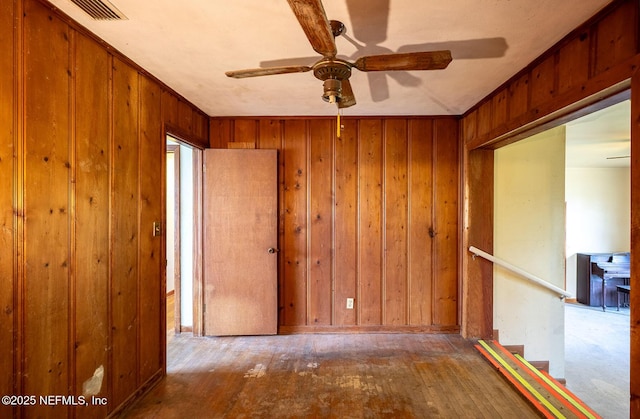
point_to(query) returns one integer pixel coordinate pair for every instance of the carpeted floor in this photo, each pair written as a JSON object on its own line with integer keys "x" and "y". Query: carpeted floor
{"x": 597, "y": 357}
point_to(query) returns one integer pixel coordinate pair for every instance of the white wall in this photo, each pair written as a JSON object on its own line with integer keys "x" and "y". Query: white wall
{"x": 529, "y": 233}
{"x": 598, "y": 214}
{"x": 170, "y": 222}
{"x": 186, "y": 239}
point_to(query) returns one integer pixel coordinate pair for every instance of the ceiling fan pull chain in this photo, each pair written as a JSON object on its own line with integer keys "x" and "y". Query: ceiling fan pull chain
{"x": 338, "y": 124}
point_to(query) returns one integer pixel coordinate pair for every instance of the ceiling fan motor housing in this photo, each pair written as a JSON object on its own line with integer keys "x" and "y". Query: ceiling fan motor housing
{"x": 332, "y": 69}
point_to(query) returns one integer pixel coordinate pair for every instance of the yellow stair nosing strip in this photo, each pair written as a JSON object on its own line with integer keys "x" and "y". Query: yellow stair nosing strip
{"x": 560, "y": 391}
{"x": 522, "y": 381}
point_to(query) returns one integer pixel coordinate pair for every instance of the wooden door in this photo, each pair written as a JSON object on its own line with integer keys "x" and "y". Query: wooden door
{"x": 240, "y": 242}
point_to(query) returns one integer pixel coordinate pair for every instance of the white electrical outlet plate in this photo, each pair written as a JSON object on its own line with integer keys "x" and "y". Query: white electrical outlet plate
{"x": 350, "y": 303}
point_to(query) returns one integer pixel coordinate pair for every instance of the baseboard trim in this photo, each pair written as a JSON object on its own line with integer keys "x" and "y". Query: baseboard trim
{"x": 292, "y": 330}
{"x": 138, "y": 394}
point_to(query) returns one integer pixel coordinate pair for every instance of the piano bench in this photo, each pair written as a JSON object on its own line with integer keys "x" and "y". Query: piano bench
{"x": 622, "y": 289}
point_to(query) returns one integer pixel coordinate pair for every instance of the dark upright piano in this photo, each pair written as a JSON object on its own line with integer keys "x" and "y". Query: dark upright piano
{"x": 598, "y": 275}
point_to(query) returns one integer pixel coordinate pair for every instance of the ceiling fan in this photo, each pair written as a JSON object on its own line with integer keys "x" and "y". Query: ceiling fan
{"x": 335, "y": 72}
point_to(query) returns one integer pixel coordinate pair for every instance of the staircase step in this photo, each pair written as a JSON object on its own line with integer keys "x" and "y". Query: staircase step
{"x": 546, "y": 394}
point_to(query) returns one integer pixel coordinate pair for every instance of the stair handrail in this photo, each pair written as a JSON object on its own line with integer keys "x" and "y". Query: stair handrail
{"x": 521, "y": 272}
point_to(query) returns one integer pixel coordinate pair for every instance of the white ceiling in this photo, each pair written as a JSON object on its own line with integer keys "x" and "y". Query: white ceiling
{"x": 600, "y": 139}
{"x": 189, "y": 44}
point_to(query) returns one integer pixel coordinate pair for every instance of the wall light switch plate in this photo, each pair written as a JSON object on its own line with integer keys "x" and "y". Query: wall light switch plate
{"x": 157, "y": 229}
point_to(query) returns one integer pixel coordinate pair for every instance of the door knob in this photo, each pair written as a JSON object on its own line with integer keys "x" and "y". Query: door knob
{"x": 273, "y": 250}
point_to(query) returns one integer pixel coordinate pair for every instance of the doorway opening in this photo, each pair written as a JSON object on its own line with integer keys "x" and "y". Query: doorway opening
{"x": 181, "y": 232}
{"x": 563, "y": 192}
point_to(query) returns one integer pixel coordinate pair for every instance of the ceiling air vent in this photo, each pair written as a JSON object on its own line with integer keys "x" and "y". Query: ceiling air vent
{"x": 100, "y": 9}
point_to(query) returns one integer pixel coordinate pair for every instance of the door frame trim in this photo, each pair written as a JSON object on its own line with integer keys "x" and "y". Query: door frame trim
{"x": 198, "y": 245}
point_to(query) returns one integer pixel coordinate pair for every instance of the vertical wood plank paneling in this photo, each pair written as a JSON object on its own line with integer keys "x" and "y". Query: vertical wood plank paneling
{"x": 151, "y": 288}
{"x": 370, "y": 222}
{"x": 270, "y": 138}
{"x": 91, "y": 265}
{"x": 47, "y": 236}
{"x": 321, "y": 221}
{"x": 8, "y": 143}
{"x": 295, "y": 223}
{"x": 573, "y": 63}
{"x": 485, "y": 117}
{"x": 420, "y": 280}
{"x": 470, "y": 123}
{"x": 500, "y": 108}
{"x": 543, "y": 78}
{"x": 185, "y": 116}
{"x": 396, "y": 218}
{"x": 269, "y": 134}
{"x": 71, "y": 197}
{"x": 616, "y": 40}
{"x": 518, "y": 96}
{"x": 346, "y": 222}
{"x": 201, "y": 126}
{"x": 124, "y": 233}
{"x": 245, "y": 131}
{"x": 445, "y": 275}
{"x": 376, "y": 181}
{"x": 184, "y": 120}
{"x": 170, "y": 108}
{"x": 478, "y": 273}
{"x": 220, "y": 132}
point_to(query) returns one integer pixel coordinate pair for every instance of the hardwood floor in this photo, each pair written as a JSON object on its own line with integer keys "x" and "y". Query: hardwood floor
{"x": 345, "y": 376}
{"x": 171, "y": 306}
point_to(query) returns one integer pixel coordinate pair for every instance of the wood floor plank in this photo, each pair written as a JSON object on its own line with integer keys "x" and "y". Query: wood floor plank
{"x": 341, "y": 376}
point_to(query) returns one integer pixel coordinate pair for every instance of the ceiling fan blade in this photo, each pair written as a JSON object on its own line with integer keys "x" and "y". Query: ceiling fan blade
{"x": 465, "y": 49}
{"x": 433, "y": 60}
{"x": 288, "y": 62}
{"x": 618, "y": 157}
{"x": 256, "y": 72}
{"x": 314, "y": 22}
{"x": 348, "y": 99}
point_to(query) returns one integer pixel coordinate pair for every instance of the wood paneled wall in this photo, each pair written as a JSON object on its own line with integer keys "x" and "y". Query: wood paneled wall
{"x": 372, "y": 215}
{"x": 81, "y": 183}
